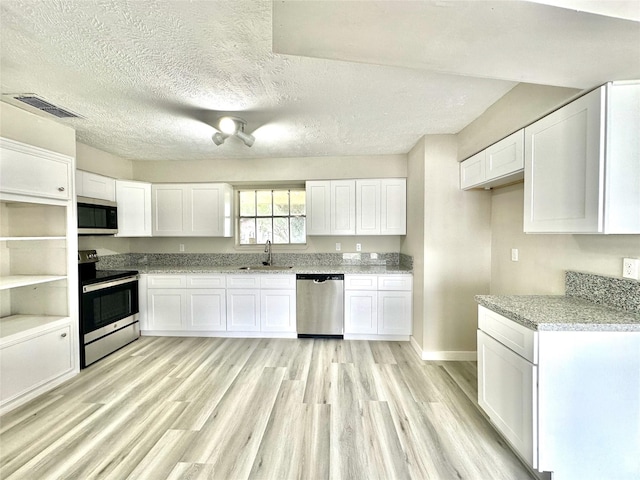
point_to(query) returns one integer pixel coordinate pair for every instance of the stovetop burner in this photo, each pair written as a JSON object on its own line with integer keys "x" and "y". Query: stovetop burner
{"x": 88, "y": 274}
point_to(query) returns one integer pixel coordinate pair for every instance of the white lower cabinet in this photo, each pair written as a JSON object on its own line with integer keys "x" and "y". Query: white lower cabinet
{"x": 236, "y": 304}
{"x": 243, "y": 310}
{"x": 35, "y": 360}
{"x": 568, "y": 402}
{"x": 378, "y": 305}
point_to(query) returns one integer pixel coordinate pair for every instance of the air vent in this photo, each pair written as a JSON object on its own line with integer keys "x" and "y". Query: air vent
{"x": 41, "y": 104}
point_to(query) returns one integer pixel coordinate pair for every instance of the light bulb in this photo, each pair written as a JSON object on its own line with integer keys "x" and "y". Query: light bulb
{"x": 228, "y": 125}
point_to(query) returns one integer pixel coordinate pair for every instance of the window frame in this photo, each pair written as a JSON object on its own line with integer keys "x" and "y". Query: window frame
{"x": 272, "y": 189}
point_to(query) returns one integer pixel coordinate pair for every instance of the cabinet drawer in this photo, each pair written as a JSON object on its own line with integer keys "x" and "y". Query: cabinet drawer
{"x": 395, "y": 282}
{"x": 360, "y": 282}
{"x": 166, "y": 281}
{"x": 206, "y": 281}
{"x": 278, "y": 281}
{"x": 243, "y": 281}
{"x": 521, "y": 340}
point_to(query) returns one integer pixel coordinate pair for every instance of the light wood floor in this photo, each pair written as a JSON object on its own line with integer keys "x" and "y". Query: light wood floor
{"x": 195, "y": 408}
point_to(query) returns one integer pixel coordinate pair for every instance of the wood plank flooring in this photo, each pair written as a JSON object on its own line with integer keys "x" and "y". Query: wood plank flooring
{"x": 214, "y": 408}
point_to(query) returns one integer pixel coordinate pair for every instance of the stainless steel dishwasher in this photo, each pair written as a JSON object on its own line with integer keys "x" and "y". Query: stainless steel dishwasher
{"x": 320, "y": 305}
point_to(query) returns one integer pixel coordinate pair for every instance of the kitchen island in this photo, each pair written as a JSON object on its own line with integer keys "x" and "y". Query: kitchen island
{"x": 559, "y": 376}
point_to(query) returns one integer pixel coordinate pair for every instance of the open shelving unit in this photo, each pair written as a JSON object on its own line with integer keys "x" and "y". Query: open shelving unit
{"x": 38, "y": 272}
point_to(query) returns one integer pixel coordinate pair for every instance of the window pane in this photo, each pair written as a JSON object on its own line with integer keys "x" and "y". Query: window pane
{"x": 280, "y": 230}
{"x": 264, "y": 203}
{"x": 298, "y": 202}
{"x": 247, "y": 231}
{"x": 298, "y": 230}
{"x": 264, "y": 229}
{"x": 280, "y": 202}
{"x": 248, "y": 204}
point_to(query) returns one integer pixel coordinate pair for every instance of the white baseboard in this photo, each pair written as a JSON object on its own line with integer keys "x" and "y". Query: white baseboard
{"x": 456, "y": 356}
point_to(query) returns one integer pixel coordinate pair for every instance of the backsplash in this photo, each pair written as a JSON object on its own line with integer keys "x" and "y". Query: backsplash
{"x": 241, "y": 259}
{"x": 620, "y": 293}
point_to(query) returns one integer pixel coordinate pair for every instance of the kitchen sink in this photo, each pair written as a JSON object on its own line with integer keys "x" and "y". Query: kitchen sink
{"x": 265, "y": 267}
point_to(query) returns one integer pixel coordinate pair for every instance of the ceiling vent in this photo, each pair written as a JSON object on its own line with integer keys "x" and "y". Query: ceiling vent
{"x": 41, "y": 104}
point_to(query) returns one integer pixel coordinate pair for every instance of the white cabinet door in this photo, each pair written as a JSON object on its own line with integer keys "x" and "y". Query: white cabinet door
{"x": 134, "y": 208}
{"x": 192, "y": 210}
{"x": 206, "y": 309}
{"x": 343, "y": 207}
{"x": 507, "y": 392}
{"x": 361, "y": 311}
{"x": 394, "y": 313}
{"x": 472, "y": 171}
{"x": 393, "y": 206}
{"x": 243, "y": 310}
{"x": 166, "y": 308}
{"x": 564, "y": 169}
{"x": 169, "y": 206}
{"x": 95, "y": 186}
{"x": 368, "y": 213}
{"x": 278, "y": 310}
{"x": 318, "y": 205}
{"x": 34, "y": 361}
{"x": 505, "y": 157}
{"x": 28, "y": 170}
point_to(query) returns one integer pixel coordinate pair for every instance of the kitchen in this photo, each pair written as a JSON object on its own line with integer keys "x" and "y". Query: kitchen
{"x": 460, "y": 241}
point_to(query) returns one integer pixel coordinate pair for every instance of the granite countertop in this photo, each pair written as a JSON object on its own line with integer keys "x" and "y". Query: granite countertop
{"x": 561, "y": 313}
{"x": 348, "y": 269}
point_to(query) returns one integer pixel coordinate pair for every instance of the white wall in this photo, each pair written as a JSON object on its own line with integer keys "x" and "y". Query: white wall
{"x": 543, "y": 259}
{"x": 97, "y": 161}
{"x": 26, "y": 127}
{"x": 450, "y": 238}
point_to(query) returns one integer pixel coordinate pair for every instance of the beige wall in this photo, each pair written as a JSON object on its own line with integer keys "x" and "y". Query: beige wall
{"x": 543, "y": 259}
{"x": 450, "y": 241}
{"x": 295, "y": 170}
{"x": 522, "y": 105}
{"x": 413, "y": 242}
{"x": 26, "y": 127}
{"x": 97, "y": 161}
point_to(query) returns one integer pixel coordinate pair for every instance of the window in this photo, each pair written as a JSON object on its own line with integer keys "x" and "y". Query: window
{"x": 276, "y": 215}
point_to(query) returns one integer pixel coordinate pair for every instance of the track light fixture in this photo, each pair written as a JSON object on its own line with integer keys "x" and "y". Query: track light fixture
{"x": 232, "y": 126}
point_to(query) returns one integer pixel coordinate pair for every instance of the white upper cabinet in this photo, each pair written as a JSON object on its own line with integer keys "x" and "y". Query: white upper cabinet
{"x": 331, "y": 207}
{"x": 95, "y": 186}
{"x": 381, "y": 206}
{"x": 343, "y": 207}
{"x": 582, "y": 165}
{"x": 393, "y": 206}
{"x": 134, "y": 208}
{"x": 357, "y": 207}
{"x": 499, "y": 164}
{"x": 33, "y": 171}
{"x": 182, "y": 210}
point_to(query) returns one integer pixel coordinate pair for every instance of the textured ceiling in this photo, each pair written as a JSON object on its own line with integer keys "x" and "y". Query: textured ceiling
{"x": 150, "y": 77}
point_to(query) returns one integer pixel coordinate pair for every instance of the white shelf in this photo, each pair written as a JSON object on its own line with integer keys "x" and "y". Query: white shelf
{"x": 18, "y": 326}
{"x": 9, "y": 239}
{"x": 16, "y": 281}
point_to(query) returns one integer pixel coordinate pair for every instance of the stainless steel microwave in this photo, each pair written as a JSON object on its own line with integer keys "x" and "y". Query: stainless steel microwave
{"x": 97, "y": 217}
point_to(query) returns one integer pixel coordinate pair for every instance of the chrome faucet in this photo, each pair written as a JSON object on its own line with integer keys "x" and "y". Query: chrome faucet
{"x": 267, "y": 250}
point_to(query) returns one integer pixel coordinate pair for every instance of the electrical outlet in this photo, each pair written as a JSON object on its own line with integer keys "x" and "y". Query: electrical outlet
{"x": 630, "y": 268}
{"x": 181, "y": 247}
{"x": 358, "y": 247}
{"x": 338, "y": 247}
{"x": 514, "y": 254}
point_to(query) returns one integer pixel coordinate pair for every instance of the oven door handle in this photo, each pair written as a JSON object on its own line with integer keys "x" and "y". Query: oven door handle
{"x": 113, "y": 283}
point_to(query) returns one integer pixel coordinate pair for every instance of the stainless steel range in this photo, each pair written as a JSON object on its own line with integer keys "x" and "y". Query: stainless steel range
{"x": 109, "y": 314}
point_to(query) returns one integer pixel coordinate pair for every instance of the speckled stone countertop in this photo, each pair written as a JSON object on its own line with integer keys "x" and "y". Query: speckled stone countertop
{"x": 348, "y": 269}
{"x": 560, "y": 313}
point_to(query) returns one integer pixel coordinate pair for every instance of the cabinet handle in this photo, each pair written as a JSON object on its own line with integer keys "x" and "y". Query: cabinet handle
{"x": 61, "y": 189}
{"x": 63, "y": 335}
